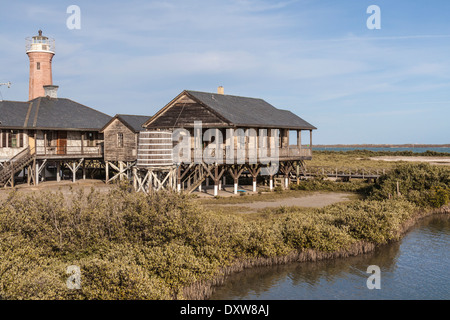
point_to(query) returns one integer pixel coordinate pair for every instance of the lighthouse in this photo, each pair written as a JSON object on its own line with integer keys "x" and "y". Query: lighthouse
{"x": 40, "y": 51}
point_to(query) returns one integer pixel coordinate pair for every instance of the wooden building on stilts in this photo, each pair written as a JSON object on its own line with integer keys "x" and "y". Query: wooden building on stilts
{"x": 197, "y": 140}
{"x": 200, "y": 138}
{"x": 121, "y": 135}
{"x": 47, "y": 136}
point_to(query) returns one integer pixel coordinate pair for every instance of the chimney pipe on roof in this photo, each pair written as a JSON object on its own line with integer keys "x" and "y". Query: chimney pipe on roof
{"x": 220, "y": 90}
{"x": 51, "y": 91}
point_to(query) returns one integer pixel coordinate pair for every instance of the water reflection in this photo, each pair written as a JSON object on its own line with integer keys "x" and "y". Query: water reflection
{"x": 414, "y": 268}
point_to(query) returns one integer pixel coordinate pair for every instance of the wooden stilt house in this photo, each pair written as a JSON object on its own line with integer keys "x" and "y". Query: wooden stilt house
{"x": 48, "y": 132}
{"x": 121, "y": 144}
{"x": 225, "y": 135}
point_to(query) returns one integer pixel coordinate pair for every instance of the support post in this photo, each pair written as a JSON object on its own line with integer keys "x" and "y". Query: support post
{"x": 179, "y": 178}
{"x": 107, "y": 171}
{"x": 120, "y": 170}
{"x": 12, "y": 175}
{"x": 135, "y": 178}
{"x": 58, "y": 171}
{"x": 216, "y": 180}
{"x": 36, "y": 181}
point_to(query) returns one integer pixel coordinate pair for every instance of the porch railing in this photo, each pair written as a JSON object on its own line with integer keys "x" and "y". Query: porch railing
{"x": 69, "y": 150}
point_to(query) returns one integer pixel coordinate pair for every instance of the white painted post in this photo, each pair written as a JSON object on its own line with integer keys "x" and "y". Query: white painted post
{"x": 74, "y": 172}
{"x": 200, "y": 188}
{"x": 107, "y": 171}
{"x": 271, "y": 183}
{"x": 286, "y": 182}
{"x": 58, "y": 171}
{"x": 37, "y": 173}
{"x": 254, "y": 184}
{"x": 235, "y": 187}
{"x": 43, "y": 171}
{"x": 216, "y": 189}
{"x": 84, "y": 170}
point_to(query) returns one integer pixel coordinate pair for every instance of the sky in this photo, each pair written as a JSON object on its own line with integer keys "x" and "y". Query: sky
{"x": 317, "y": 58}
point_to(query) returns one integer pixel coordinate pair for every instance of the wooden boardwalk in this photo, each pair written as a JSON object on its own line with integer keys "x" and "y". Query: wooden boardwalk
{"x": 345, "y": 173}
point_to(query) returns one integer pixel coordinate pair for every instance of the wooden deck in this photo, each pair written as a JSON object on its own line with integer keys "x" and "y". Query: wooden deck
{"x": 346, "y": 173}
{"x": 284, "y": 154}
{"x": 69, "y": 152}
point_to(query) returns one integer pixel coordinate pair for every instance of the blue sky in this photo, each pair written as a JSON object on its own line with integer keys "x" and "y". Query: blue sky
{"x": 316, "y": 58}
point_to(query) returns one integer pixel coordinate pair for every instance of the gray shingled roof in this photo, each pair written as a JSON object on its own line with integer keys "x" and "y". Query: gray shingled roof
{"x": 134, "y": 121}
{"x": 243, "y": 111}
{"x": 13, "y": 113}
{"x": 50, "y": 113}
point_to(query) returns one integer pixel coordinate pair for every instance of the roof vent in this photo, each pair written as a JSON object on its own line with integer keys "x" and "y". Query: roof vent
{"x": 51, "y": 91}
{"x": 220, "y": 90}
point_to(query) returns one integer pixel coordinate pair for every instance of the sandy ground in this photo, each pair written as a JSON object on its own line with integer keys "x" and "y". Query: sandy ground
{"x": 431, "y": 160}
{"x": 316, "y": 200}
{"x": 66, "y": 187}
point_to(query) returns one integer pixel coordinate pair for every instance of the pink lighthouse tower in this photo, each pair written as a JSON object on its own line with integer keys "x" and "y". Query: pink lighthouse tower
{"x": 40, "y": 51}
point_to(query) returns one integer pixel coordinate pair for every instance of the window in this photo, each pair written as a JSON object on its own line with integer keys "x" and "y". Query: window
{"x": 38, "y": 65}
{"x": 91, "y": 137}
{"x": 120, "y": 140}
{"x": 12, "y": 139}
{"x": 49, "y": 139}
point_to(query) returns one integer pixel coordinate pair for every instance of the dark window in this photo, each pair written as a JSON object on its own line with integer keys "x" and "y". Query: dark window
{"x": 91, "y": 136}
{"x": 15, "y": 139}
{"x": 38, "y": 65}
{"x": 120, "y": 140}
{"x": 49, "y": 139}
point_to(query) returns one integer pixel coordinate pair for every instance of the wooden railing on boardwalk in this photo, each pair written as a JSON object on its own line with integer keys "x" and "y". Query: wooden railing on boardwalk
{"x": 346, "y": 173}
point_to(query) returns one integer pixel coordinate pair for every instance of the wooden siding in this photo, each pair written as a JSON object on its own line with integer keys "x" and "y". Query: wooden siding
{"x": 61, "y": 144}
{"x": 12, "y": 143}
{"x": 184, "y": 115}
{"x": 114, "y": 152}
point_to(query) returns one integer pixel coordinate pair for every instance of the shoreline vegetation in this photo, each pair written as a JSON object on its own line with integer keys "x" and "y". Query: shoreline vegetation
{"x": 409, "y": 145}
{"x": 170, "y": 246}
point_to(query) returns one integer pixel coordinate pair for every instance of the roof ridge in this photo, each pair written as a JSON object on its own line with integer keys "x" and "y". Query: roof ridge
{"x": 132, "y": 115}
{"x": 15, "y": 101}
{"x": 229, "y": 95}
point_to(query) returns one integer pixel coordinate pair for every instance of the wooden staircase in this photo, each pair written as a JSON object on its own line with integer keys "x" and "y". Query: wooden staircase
{"x": 14, "y": 165}
{"x": 195, "y": 178}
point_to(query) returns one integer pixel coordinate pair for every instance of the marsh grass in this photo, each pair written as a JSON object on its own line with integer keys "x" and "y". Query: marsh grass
{"x": 167, "y": 246}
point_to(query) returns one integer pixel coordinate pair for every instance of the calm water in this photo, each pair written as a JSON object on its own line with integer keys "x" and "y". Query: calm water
{"x": 417, "y": 267}
{"x": 415, "y": 150}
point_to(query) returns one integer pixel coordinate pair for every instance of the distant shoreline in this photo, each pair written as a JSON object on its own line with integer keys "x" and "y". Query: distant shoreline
{"x": 381, "y": 146}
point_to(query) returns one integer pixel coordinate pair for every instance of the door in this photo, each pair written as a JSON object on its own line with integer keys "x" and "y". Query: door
{"x": 61, "y": 144}
{"x": 32, "y": 144}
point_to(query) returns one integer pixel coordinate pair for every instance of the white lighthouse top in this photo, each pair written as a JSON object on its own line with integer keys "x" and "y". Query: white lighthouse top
{"x": 40, "y": 43}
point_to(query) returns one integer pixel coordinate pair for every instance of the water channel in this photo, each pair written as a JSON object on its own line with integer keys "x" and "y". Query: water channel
{"x": 417, "y": 267}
